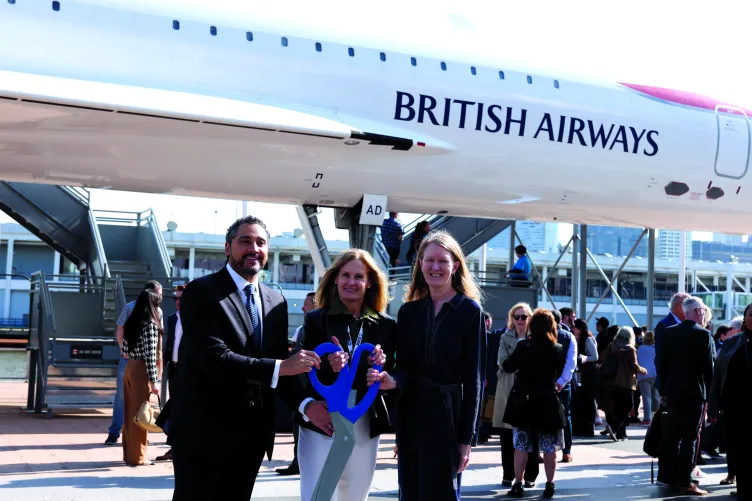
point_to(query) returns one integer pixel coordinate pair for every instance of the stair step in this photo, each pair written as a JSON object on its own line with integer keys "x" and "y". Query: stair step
{"x": 125, "y": 266}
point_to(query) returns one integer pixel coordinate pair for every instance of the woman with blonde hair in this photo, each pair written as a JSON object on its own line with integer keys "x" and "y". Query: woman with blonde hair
{"x": 517, "y": 330}
{"x": 438, "y": 382}
{"x": 352, "y": 299}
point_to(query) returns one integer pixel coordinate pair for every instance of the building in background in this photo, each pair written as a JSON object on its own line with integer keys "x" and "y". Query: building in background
{"x": 537, "y": 237}
{"x": 668, "y": 243}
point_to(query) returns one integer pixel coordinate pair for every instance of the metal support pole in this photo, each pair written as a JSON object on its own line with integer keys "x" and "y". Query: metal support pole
{"x": 611, "y": 285}
{"x": 583, "y": 271}
{"x": 651, "y": 278}
{"x": 575, "y": 267}
{"x": 512, "y": 233}
{"x": 683, "y": 261}
{"x": 556, "y": 263}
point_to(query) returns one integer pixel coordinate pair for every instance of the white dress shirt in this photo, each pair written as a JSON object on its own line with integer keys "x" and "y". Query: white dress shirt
{"x": 241, "y": 284}
{"x": 178, "y": 337}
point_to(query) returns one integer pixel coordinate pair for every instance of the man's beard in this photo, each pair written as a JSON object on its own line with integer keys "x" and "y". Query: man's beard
{"x": 245, "y": 271}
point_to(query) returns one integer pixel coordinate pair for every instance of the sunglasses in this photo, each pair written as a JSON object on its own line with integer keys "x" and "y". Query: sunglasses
{"x": 519, "y": 317}
{"x": 176, "y": 298}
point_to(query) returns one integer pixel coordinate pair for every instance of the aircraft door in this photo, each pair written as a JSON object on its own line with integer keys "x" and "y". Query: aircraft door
{"x": 732, "y": 153}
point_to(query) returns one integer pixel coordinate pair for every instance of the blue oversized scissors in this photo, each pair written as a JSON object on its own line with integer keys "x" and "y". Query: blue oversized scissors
{"x": 340, "y": 399}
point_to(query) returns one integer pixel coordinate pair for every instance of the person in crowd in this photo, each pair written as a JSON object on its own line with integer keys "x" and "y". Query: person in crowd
{"x": 493, "y": 339}
{"x": 583, "y": 402}
{"x": 606, "y": 334}
{"x": 684, "y": 365}
{"x": 721, "y": 334}
{"x": 170, "y": 357}
{"x": 391, "y": 237}
{"x": 735, "y": 382}
{"x": 517, "y": 330}
{"x": 438, "y": 379}
{"x": 675, "y": 317}
{"x": 568, "y": 317}
{"x": 619, "y": 382}
{"x": 233, "y": 355}
{"x": 309, "y": 304}
{"x": 564, "y": 383}
{"x": 534, "y": 409}
{"x": 421, "y": 230}
{"x": 523, "y": 267}
{"x": 601, "y": 329}
{"x": 141, "y": 341}
{"x": 735, "y": 326}
{"x": 646, "y": 382}
{"x": 352, "y": 298}
{"x": 116, "y": 425}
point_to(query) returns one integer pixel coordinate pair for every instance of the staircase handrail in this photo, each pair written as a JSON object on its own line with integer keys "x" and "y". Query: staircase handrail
{"x": 380, "y": 251}
{"x": 103, "y": 270}
{"x": 119, "y": 293}
{"x": 81, "y": 194}
{"x": 164, "y": 254}
{"x": 46, "y": 302}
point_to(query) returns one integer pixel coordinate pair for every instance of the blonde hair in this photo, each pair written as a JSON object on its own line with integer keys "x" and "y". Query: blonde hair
{"x": 648, "y": 338}
{"x": 462, "y": 281}
{"x": 377, "y": 295}
{"x": 528, "y": 312}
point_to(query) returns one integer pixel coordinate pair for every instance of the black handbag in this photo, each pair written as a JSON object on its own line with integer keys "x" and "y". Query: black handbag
{"x": 652, "y": 444}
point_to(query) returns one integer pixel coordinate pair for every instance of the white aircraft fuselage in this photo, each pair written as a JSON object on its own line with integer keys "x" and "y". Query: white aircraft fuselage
{"x": 147, "y": 98}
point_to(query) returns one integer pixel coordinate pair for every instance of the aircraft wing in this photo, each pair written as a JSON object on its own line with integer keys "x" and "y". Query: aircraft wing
{"x": 254, "y": 114}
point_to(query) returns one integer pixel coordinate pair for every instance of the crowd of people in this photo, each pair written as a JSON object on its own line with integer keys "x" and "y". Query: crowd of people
{"x": 545, "y": 376}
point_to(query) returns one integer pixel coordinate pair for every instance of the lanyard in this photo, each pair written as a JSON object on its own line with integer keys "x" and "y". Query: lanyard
{"x": 349, "y": 339}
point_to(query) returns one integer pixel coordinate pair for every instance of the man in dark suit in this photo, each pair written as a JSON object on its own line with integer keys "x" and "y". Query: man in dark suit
{"x": 172, "y": 338}
{"x": 491, "y": 367}
{"x": 233, "y": 355}
{"x": 675, "y": 316}
{"x": 685, "y": 370}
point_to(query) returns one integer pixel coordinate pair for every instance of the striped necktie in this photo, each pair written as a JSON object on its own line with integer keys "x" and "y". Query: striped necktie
{"x": 250, "y": 305}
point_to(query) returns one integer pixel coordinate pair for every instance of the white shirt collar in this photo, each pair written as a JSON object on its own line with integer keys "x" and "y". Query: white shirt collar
{"x": 240, "y": 282}
{"x": 675, "y": 317}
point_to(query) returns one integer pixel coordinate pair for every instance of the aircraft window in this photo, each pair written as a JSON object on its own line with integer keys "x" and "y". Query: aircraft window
{"x": 213, "y": 31}
{"x": 318, "y": 47}
{"x": 443, "y": 65}
{"x": 556, "y": 84}
{"x": 249, "y": 36}
{"x": 501, "y": 75}
{"x": 382, "y": 56}
{"x": 413, "y": 61}
{"x": 351, "y": 51}
{"x": 472, "y": 70}
{"x": 56, "y": 6}
{"x": 11, "y": 2}
{"x": 176, "y": 25}
{"x": 529, "y": 79}
{"x": 284, "y": 41}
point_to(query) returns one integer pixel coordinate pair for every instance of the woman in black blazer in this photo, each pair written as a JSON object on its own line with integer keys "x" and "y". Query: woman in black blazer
{"x": 352, "y": 297}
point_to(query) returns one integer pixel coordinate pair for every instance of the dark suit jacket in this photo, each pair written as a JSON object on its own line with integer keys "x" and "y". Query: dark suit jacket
{"x": 685, "y": 363}
{"x": 319, "y": 327}
{"x": 660, "y": 329}
{"x": 169, "y": 339}
{"x": 226, "y": 401}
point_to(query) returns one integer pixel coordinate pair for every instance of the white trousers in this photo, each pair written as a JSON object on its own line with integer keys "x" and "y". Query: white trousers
{"x": 357, "y": 476}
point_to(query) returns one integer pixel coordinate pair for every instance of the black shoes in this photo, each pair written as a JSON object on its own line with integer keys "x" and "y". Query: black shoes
{"x": 517, "y": 491}
{"x": 548, "y": 492}
{"x": 111, "y": 439}
{"x": 290, "y": 470}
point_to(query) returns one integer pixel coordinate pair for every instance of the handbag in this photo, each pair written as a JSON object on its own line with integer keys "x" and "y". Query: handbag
{"x": 652, "y": 444}
{"x": 487, "y": 412}
{"x": 146, "y": 417}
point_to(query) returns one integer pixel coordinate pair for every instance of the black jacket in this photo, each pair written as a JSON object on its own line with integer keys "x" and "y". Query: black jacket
{"x": 320, "y": 325}
{"x": 730, "y": 347}
{"x": 169, "y": 339}
{"x": 685, "y": 362}
{"x": 226, "y": 401}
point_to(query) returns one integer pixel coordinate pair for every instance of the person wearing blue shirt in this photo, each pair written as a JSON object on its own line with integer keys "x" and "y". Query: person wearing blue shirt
{"x": 523, "y": 266}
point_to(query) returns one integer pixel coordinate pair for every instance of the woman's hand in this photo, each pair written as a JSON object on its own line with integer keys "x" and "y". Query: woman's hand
{"x": 155, "y": 388}
{"x": 387, "y": 381}
{"x": 464, "y": 458}
{"x": 377, "y": 357}
{"x": 338, "y": 359}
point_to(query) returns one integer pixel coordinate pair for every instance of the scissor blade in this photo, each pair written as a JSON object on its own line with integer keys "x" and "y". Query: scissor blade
{"x": 339, "y": 454}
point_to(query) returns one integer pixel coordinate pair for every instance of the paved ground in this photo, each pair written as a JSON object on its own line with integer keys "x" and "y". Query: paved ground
{"x": 64, "y": 459}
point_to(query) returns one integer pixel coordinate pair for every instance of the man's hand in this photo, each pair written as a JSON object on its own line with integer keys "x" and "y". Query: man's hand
{"x": 318, "y": 413}
{"x": 338, "y": 359}
{"x": 377, "y": 357}
{"x": 299, "y": 363}
{"x": 559, "y": 387}
{"x": 464, "y": 457}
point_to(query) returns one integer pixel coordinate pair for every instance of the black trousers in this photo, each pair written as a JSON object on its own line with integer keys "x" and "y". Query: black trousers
{"x": 618, "y": 416}
{"x": 229, "y": 476}
{"x": 507, "y": 458}
{"x": 737, "y": 453}
{"x": 565, "y": 397}
{"x": 681, "y": 442}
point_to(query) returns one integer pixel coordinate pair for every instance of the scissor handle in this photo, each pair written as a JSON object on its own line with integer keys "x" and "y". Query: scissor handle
{"x": 337, "y": 393}
{"x": 353, "y": 413}
{"x": 332, "y": 393}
